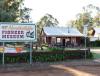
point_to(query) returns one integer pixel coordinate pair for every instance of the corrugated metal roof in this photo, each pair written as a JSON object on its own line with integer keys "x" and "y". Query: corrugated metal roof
{"x": 61, "y": 31}
{"x": 97, "y": 30}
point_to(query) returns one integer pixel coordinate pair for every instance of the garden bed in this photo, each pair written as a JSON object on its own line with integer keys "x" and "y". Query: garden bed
{"x": 45, "y": 56}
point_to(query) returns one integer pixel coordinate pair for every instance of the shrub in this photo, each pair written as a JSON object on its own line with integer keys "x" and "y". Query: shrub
{"x": 95, "y": 43}
{"x": 44, "y": 56}
{"x": 55, "y": 49}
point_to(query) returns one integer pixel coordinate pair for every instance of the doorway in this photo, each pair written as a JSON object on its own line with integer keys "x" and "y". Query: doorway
{"x": 63, "y": 42}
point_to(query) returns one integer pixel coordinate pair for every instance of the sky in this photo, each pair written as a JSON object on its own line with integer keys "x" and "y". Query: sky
{"x": 63, "y": 10}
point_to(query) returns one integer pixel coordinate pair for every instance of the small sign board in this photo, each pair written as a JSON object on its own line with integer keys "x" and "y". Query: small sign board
{"x": 20, "y": 32}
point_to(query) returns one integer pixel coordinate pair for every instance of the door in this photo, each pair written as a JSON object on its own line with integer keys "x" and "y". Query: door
{"x": 63, "y": 42}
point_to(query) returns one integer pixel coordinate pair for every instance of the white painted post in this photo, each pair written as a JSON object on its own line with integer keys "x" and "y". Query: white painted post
{"x": 3, "y": 56}
{"x": 31, "y": 52}
{"x": 85, "y": 48}
{"x": 85, "y": 35}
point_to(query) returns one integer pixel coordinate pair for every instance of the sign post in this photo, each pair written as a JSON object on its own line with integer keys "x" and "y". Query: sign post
{"x": 3, "y": 57}
{"x": 18, "y": 32}
{"x": 85, "y": 35}
{"x": 31, "y": 52}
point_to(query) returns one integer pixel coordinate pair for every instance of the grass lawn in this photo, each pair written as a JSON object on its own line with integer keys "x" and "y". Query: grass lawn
{"x": 96, "y": 55}
{"x": 96, "y": 52}
{"x": 95, "y": 47}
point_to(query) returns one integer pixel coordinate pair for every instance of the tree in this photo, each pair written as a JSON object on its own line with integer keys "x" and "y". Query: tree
{"x": 25, "y": 15}
{"x": 11, "y": 11}
{"x": 97, "y": 20}
{"x": 86, "y": 18}
{"x": 47, "y": 20}
{"x": 83, "y": 19}
{"x": 91, "y": 32}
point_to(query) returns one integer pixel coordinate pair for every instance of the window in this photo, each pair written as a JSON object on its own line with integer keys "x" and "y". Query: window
{"x": 58, "y": 40}
{"x": 67, "y": 39}
{"x": 53, "y": 39}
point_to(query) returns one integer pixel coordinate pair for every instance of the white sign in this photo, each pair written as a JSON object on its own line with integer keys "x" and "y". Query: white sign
{"x": 17, "y": 32}
{"x": 85, "y": 30}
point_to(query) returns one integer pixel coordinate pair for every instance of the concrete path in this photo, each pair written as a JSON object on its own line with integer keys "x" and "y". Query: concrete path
{"x": 95, "y": 50}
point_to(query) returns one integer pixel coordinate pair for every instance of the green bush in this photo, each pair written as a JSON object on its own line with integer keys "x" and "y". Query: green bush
{"x": 55, "y": 49}
{"x": 44, "y": 56}
{"x": 95, "y": 43}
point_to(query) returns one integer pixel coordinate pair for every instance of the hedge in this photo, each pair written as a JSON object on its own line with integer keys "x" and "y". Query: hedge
{"x": 95, "y": 43}
{"x": 44, "y": 56}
